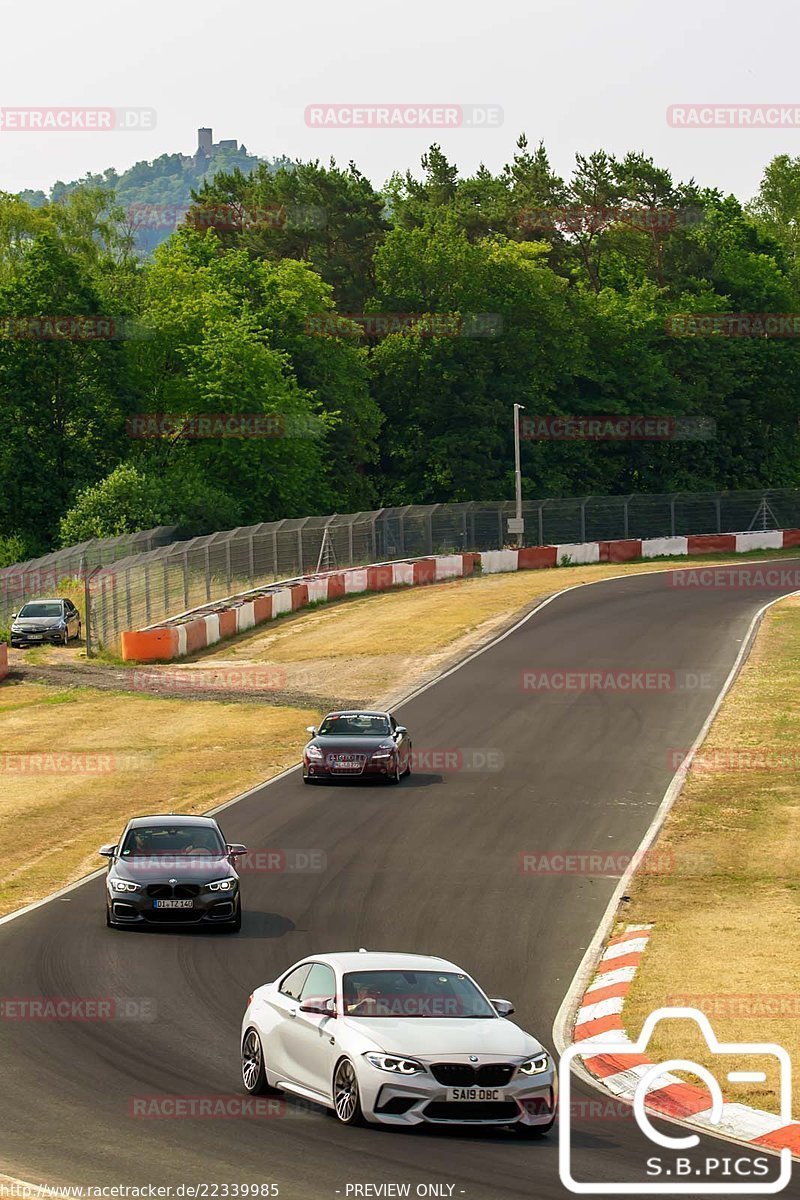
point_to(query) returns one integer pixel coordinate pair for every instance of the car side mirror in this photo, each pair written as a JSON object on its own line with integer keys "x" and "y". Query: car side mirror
{"x": 323, "y": 1008}
{"x": 108, "y": 851}
{"x": 401, "y": 729}
{"x": 236, "y": 848}
{"x": 14, "y": 616}
{"x": 312, "y": 730}
{"x": 503, "y": 1008}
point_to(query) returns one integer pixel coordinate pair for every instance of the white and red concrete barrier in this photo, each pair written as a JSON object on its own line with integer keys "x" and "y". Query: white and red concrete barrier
{"x": 193, "y": 631}
{"x": 600, "y": 1018}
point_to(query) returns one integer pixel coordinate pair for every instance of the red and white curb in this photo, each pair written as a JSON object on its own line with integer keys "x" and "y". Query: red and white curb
{"x": 600, "y": 1017}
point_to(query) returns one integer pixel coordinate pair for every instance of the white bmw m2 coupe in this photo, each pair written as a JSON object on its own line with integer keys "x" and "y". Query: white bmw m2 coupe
{"x": 396, "y": 1039}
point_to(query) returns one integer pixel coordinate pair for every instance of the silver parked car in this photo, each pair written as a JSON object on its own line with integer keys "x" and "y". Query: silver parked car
{"x": 56, "y": 621}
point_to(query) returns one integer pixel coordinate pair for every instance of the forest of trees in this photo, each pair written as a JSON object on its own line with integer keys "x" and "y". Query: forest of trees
{"x": 516, "y": 286}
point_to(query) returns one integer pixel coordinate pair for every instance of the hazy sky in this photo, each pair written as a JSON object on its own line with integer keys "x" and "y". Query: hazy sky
{"x": 579, "y": 74}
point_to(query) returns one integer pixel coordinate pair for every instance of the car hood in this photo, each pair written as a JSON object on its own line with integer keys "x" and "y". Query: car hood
{"x": 37, "y": 622}
{"x": 432, "y": 1037}
{"x": 350, "y": 745}
{"x": 186, "y": 868}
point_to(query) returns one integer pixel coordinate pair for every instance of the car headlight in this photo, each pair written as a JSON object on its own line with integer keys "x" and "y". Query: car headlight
{"x": 313, "y": 752}
{"x": 395, "y": 1064}
{"x": 125, "y": 885}
{"x": 222, "y": 885}
{"x": 385, "y": 750}
{"x": 535, "y": 1066}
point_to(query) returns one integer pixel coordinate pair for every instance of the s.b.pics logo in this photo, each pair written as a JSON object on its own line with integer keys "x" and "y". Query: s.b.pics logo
{"x": 675, "y": 1162}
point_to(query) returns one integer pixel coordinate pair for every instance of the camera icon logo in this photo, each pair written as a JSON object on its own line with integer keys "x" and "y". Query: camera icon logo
{"x": 650, "y": 1078}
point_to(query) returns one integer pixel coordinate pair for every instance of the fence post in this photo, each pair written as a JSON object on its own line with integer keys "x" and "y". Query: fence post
{"x": 165, "y": 569}
{"x": 114, "y": 605}
{"x": 374, "y": 535}
{"x": 147, "y": 593}
{"x": 584, "y": 502}
{"x": 252, "y": 556}
{"x": 300, "y": 550}
{"x": 672, "y": 516}
{"x": 626, "y": 502}
{"x": 718, "y": 506}
{"x": 402, "y": 532}
{"x": 350, "y": 542}
{"x": 500, "y": 538}
{"x": 208, "y": 572}
{"x": 128, "y": 604}
{"x": 186, "y": 579}
{"x": 541, "y": 524}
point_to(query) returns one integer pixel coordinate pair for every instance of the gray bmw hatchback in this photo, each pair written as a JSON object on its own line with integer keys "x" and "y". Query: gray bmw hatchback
{"x": 173, "y": 870}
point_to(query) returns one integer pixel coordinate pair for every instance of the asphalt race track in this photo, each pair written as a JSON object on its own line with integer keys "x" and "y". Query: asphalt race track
{"x": 432, "y": 867}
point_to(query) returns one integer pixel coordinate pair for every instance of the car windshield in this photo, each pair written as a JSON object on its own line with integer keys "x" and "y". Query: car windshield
{"x": 354, "y": 725}
{"x": 413, "y": 994}
{"x": 49, "y": 609}
{"x": 146, "y": 840}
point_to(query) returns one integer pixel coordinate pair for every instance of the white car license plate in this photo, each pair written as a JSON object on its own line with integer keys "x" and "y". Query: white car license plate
{"x": 35, "y": 637}
{"x": 475, "y": 1093}
{"x": 173, "y": 904}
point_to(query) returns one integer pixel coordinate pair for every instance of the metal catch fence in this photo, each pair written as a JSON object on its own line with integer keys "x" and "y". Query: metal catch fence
{"x": 136, "y": 585}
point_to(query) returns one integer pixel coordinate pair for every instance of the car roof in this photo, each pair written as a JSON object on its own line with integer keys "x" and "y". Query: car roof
{"x": 383, "y": 960}
{"x": 45, "y": 600}
{"x": 356, "y": 712}
{"x": 173, "y": 819}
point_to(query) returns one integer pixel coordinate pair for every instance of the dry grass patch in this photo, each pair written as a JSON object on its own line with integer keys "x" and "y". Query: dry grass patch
{"x": 727, "y": 918}
{"x": 149, "y": 755}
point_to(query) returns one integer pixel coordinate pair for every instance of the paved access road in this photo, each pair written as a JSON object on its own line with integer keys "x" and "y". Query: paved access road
{"x": 431, "y": 866}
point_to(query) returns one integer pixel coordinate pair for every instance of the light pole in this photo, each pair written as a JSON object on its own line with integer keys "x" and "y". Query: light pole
{"x": 519, "y": 524}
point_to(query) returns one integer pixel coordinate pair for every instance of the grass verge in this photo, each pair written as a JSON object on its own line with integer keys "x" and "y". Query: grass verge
{"x": 727, "y": 909}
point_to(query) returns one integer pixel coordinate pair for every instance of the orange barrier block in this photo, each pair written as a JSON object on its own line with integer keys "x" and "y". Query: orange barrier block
{"x": 622, "y": 550}
{"x": 335, "y": 586}
{"x": 791, "y": 537}
{"x": 196, "y": 635}
{"x": 299, "y": 596}
{"x": 425, "y": 571}
{"x": 262, "y": 608}
{"x": 380, "y": 578}
{"x": 711, "y": 543}
{"x": 3, "y": 660}
{"x": 149, "y": 645}
{"x": 532, "y": 558}
{"x": 227, "y": 622}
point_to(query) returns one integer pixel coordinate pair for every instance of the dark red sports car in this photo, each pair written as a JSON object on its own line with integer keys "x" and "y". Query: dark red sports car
{"x": 355, "y": 745}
